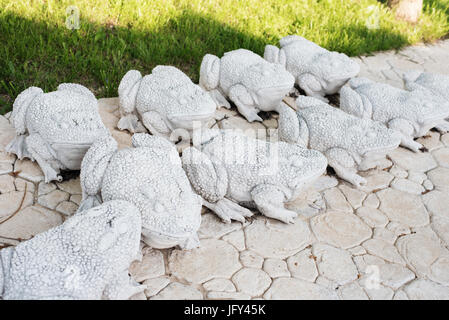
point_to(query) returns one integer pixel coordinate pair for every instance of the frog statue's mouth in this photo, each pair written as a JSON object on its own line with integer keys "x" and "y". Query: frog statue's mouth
{"x": 270, "y": 96}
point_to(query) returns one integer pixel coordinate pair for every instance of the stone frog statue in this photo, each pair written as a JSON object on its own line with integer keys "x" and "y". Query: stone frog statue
{"x": 437, "y": 83}
{"x": 317, "y": 71}
{"x": 55, "y": 128}
{"x": 150, "y": 176}
{"x": 162, "y": 102}
{"x": 232, "y": 171}
{"x": 349, "y": 143}
{"x": 252, "y": 83}
{"x": 411, "y": 113}
{"x": 87, "y": 257}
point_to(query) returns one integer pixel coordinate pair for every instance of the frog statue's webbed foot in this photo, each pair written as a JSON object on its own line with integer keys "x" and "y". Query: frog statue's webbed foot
{"x": 244, "y": 102}
{"x": 210, "y": 180}
{"x": 345, "y": 166}
{"x": 270, "y": 200}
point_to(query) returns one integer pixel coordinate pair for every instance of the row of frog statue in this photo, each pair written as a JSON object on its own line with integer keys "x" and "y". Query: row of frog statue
{"x": 150, "y": 190}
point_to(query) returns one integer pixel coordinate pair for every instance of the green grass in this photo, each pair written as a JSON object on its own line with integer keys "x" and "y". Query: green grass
{"x": 115, "y": 36}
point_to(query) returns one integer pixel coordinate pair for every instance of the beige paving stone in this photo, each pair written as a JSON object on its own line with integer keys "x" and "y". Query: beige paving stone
{"x": 354, "y": 196}
{"x": 398, "y": 172}
{"x": 302, "y": 265}
{"x": 251, "y": 259}
{"x": 357, "y": 251}
{"x": 213, "y": 259}
{"x": 379, "y": 292}
{"x": 220, "y": 295}
{"x": 213, "y": 227}
{"x": 407, "y": 185}
{"x": 409, "y": 160}
{"x": 7, "y": 184}
{"x": 426, "y": 256}
{"x": 422, "y": 289}
{"x": 29, "y": 222}
{"x": 440, "y": 178}
{"x": 340, "y": 229}
{"x": 335, "y": 200}
{"x": 335, "y": 264}
{"x": 12, "y": 201}
{"x": 371, "y": 201}
{"x": 403, "y": 207}
{"x": 151, "y": 266}
{"x": 76, "y": 198}
{"x": 325, "y": 182}
{"x": 178, "y": 291}
{"x": 400, "y": 295}
{"x": 6, "y": 168}
{"x": 52, "y": 199}
{"x": 236, "y": 238}
{"x": 416, "y": 176}
{"x": 155, "y": 285}
{"x": 385, "y": 234}
{"x": 21, "y": 183}
{"x": 138, "y": 296}
{"x": 274, "y": 239}
{"x": 431, "y": 141}
{"x": 67, "y": 208}
{"x": 376, "y": 180}
{"x": 251, "y": 281}
{"x": 276, "y": 268}
{"x": 28, "y": 170}
{"x": 7, "y": 132}
{"x": 71, "y": 186}
{"x": 45, "y": 188}
{"x": 445, "y": 139}
{"x": 218, "y": 284}
{"x": 384, "y": 250}
{"x": 352, "y": 291}
{"x": 297, "y": 289}
{"x": 372, "y": 217}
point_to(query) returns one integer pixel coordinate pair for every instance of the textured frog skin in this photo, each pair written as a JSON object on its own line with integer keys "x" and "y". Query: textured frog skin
{"x": 55, "y": 128}
{"x": 248, "y": 80}
{"x": 317, "y": 71}
{"x": 164, "y": 101}
{"x": 437, "y": 83}
{"x": 87, "y": 257}
{"x": 150, "y": 176}
{"x": 411, "y": 113}
{"x": 349, "y": 143}
{"x": 229, "y": 169}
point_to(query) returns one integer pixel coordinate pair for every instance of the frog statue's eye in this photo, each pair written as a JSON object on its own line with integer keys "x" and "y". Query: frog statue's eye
{"x": 182, "y": 100}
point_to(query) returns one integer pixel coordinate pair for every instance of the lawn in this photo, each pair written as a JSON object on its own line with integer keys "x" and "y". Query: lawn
{"x": 115, "y": 36}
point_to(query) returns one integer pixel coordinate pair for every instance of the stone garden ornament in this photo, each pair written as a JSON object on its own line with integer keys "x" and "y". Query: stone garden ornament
{"x": 55, "y": 128}
{"x": 317, "y": 71}
{"x": 87, "y": 257}
{"x": 411, "y": 113}
{"x": 162, "y": 102}
{"x": 437, "y": 83}
{"x": 150, "y": 176}
{"x": 252, "y": 83}
{"x": 349, "y": 143}
{"x": 231, "y": 170}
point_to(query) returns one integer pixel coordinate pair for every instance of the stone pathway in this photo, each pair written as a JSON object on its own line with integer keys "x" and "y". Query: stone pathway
{"x": 388, "y": 240}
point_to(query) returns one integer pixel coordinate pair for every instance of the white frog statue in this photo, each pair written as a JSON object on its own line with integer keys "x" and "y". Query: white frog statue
{"x": 349, "y": 143}
{"x": 252, "y": 83}
{"x": 87, "y": 257}
{"x": 150, "y": 176}
{"x": 437, "y": 83}
{"x": 162, "y": 102}
{"x": 233, "y": 172}
{"x": 55, "y": 128}
{"x": 411, "y": 113}
{"x": 317, "y": 71}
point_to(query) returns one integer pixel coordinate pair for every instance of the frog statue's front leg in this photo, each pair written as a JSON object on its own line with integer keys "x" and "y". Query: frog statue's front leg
{"x": 344, "y": 165}
{"x": 244, "y": 102}
{"x": 269, "y": 200}
{"x": 45, "y": 156}
{"x": 405, "y": 128}
{"x": 311, "y": 86}
{"x": 210, "y": 181}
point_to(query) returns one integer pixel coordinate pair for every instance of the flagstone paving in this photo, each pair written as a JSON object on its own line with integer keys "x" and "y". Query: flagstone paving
{"x": 388, "y": 240}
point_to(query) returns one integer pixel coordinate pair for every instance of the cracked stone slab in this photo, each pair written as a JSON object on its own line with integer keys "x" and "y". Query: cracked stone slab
{"x": 296, "y": 289}
{"x": 273, "y": 239}
{"x": 340, "y": 229}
